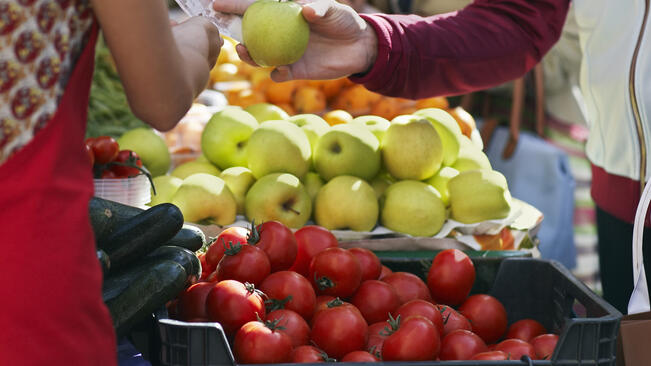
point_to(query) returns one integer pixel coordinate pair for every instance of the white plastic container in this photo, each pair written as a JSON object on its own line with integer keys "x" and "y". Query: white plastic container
{"x": 134, "y": 191}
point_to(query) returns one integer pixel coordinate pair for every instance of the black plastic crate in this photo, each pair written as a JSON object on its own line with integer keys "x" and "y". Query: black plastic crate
{"x": 529, "y": 288}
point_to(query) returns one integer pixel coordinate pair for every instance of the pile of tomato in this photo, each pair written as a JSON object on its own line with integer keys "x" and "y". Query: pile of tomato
{"x": 284, "y": 297}
{"x": 109, "y": 161}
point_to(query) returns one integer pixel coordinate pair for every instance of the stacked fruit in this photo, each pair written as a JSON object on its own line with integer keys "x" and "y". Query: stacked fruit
{"x": 283, "y": 297}
{"x": 109, "y": 161}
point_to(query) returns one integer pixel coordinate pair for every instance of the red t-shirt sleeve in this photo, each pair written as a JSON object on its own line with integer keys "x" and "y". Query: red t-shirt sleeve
{"x": 483, "y": 45}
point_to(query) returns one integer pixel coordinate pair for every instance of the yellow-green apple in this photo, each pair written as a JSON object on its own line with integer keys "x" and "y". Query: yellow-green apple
{"x": 226, "y": 135}
{"x": 479, "y": 195}
{"x": 150, "y": 147}
{"x": 412, "y": 207}
{"x": 166, "y": 186}
{"x": 191, "y": 167}
{"x": 381, "y": 182}
{"x": 266, "y": 111}
{"x": 313, "y": 183}
{"x": 238, "y": 179}
{"x": 376, "y": 124}
{"x": 346, "y": 202}
{"x": 205, "y": 198}
{"x": 347, "y": 149}
{"x": 448, "y": 130}
{"x": 440, "y": 182}
{"x": 411, "y": 148}
{"x": 278, "y": 147}
{"x": 471, "y": 157}
{"x": 281, "y": 197}
{"x": 313, "y": 126}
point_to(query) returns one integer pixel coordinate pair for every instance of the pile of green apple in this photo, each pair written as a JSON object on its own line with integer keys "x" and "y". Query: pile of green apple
{"x": 410, "y": 174}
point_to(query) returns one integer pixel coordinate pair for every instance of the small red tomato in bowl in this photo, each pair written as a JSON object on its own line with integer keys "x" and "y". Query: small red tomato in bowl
{"x": 105, "y": 148}
{"x": 126, "y": 164}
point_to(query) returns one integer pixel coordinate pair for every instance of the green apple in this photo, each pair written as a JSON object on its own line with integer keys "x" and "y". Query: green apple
{"x": 275, "y": 32}
{"x": 381, "y": 182}
{"x": 313, "y": 126}
{"x": 413, "y": 207}
{"x": 151, "y": 148}
{"x": 191, "y": 167}
{"x": 225, "y": 137}
{"x": 347, "y": 149}
{"x": 440, "y": 182}
{"x": 346, "y": 202}
{"x": 166, "y": 186}
{"x": 448, "y": 130}
{"x": 205, "y": 198}
{"x": 471, "y": 157}
{"x": 238, "y": 179}
{"x": 266, "y": 111}
{"x": 376, "y": 124}
{"x": 411, "y": 148}
{"x": 202, "y": 158}
{"x": 313, "y": 183}
{"x": 479, "y": 195}
{"x": 278, "y": 147}
{"x": 281, "y": 197}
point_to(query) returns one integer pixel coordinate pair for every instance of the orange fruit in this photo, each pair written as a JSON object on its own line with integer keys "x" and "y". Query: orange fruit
{"x": 433, "y": 102}
{"x": 337, "y": 116}
{"x": 356, "y": 99}
{"x": 464, "y": 119}
{"x": 387, "y": 108}
{"x": 287, "y": 107}
{"x": 309, "y": 99}
{"x": 245, "y": 97}
{"x": 279, "y": 93}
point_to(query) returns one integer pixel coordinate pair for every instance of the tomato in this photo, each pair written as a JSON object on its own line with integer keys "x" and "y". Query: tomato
{"x": 233, "y": 304}
{"x": 105, "y": 149}
{"x": 369, "y": 262}
{"x": 461, "y": 344}
{"x": 409, "y": 286}
{"x": 244, "y": 263}
{"x": 308, "y": 354}
{"x": 525, "y": 329}
{"x": 491, "y": 356}
{"x": 234, "y": 234}
{"x": 423, "y": 308}
{"x": 377, "y": 333}
{"x": 192, "y": 302}
{"x": 375, "y": 300}
{"x": 322, "y": 302}
{"x": 359, "y": 356}
{"x": 385, "y": 272}
{"x": 486, "y": 315}
{"x": 289, "y": 290}
{"x": 516, "y": 348}
{"x": 452, "y": 320}
{"x": 126, "y": 157}
{"x": 258, "y": 342}
{"x": 451, "y": 276}
{"x": 278, "y": 241}
{"x": 415, "y": 339}
{"x": 311, "y": 240}
{"x": 206, "y": 270}
{"x": 336, "y": 272}
{"x": 91, "y": 156}
{"x": 108, "y": 174}
{"x": 292, "y": 324}
{"x": 544, "y": 345}
{"x": 339, "y": 330}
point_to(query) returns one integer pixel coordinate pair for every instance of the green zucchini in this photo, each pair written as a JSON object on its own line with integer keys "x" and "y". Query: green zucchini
{"x": 148, "y": 291}
{"x": 189, "y": 237}
{"x": 104, "y": 261}
{"x": 106, "y": 216}
{"x": 142, "y": 234}
{"x": 182, "y": 256}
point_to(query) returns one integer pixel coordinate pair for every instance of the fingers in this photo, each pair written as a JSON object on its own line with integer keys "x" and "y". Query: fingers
{"x": 282, "y": 73}
{"x": 244, "y": 55}
{"x": 317, "y": 9}
{"x": 231, "y": 6}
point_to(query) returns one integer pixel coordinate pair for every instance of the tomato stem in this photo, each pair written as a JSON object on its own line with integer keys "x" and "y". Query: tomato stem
{"x": 323, "y": 283}
{"x": 253, "y": 237}
{"x": 231, "y": 249}
{"x": 275, "y": 304}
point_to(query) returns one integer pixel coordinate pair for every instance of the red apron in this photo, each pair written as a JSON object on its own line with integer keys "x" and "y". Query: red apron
{"x": 51, "y": 309}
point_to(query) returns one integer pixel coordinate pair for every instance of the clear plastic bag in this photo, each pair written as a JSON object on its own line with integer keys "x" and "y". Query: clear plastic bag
{"x": 229, "y": 25}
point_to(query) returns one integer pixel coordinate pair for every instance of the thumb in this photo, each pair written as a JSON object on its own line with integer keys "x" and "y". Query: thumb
{"x": 282, "y": 73}
{"x": 316, "y": 10}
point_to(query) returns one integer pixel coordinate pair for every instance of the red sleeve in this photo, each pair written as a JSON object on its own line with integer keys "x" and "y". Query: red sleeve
{"x": 486, "y": 44}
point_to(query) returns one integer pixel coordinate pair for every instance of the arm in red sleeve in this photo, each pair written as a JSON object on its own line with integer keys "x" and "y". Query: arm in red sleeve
{"x": 486, "y": 44}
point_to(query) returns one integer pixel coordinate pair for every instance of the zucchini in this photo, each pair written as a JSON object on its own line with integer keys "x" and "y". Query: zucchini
{"x": 148, "y": 291}
{"x": 142, "y": 234}
{"x": 182, "y": 256}
{"x": 189, "y": 237}
{"x": 106, "y": 216}
{"x": 104, "y": 261}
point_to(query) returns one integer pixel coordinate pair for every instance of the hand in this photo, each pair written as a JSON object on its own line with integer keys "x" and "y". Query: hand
{"x": 197, "y": 34}
{"x": 341, "y": 42}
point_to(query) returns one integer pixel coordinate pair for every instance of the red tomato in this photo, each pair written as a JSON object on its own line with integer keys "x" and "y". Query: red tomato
{"x": 544, "y": 345}
{"x": 292, "y": 324}
{"x": 91, "y": 157}
{"x": 335, "y": 272}
{"x": 409, "y": 286}
{"x": 126, "y": 157}
{"x": 339, "y": 330}
{"x": 423, "y": 308}
{"x": 233, "y": 304}
{"x": 416, "y": 339}
{"x": 289, "y": 290}
{"x": 308, "y": 354}
{"x": 192, "y": 302}
{"x": 516, "y": 348}
{"x": 206, "y": 270}
{"x": 491, "y": 356}
{"x": 451, "y": 276}
{"x": 369, "y": 262}
{"x": 452, "y": 320}
{"x": 525, "y": 329}
{"x": 359, "y": 356}
{"x": 256, "y": 342}
{"x": 377, "y": 333}
{"x": 105, "y": 149}
{"x": 461, "y": 344}
{"x": 108, "y": 174}
{"x": 311, "y": 240}
{"x": 244, "y": 263}
{"x": 278, "y": 241}
{"x": 234, "y": 234}
{"x": 486, "y": 315}
{"x": 375, "y": 300}
{"x": 385, "y": 272}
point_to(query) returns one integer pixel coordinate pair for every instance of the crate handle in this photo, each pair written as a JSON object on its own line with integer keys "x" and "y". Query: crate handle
{"x": 639, "y": 301}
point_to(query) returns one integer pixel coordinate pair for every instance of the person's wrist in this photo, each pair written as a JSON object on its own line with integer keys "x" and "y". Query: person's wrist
{"x": 369, "y": 45}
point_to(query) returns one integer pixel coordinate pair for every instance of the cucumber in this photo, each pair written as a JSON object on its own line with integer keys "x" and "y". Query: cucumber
{"x": 147, "y": 292}
{"x": 189, "y": 237}
{"x": 182, "y": 256}
{"x": 104, "y": 261}
{"x": 106, "y": 216}
{"x": 142, "y": 234}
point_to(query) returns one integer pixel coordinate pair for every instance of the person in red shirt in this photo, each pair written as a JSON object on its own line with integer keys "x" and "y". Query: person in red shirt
{"x": 52, "y": 311}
